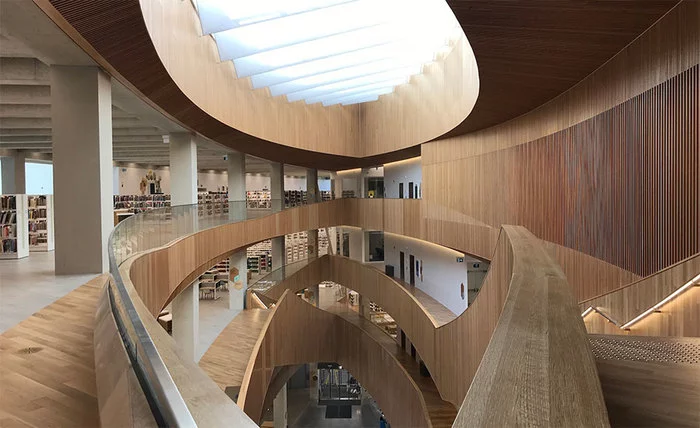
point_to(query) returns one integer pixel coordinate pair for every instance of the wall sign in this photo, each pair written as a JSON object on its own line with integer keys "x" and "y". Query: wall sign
{"x": 460, "y": 259}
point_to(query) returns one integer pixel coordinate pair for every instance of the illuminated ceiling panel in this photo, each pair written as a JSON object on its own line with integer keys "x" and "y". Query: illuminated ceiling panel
{"x": 311, "y": 49}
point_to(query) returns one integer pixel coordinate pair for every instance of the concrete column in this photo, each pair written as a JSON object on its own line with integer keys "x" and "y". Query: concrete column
{"x": 279, "y": 408}
{"x": 13, "y": 173}
{"x": 81, "y": 116}
{"x": 336, "y": 186}
{"x": 312, "y": 243}
{"x": 362, "y": 185}
{"x": 279, "y": 255}
{"x": 237, "y": 296}
{"x": 183, "y": 169}
{"x": 312, "y": 192}
{"x": 185, "y": 311}
{"x": 236, "y": 186}
{"x": 183, "y": 191}
{"x": 277, "y": 186}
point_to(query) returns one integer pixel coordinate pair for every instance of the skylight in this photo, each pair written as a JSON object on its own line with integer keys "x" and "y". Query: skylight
{"x": 329, "y": 51}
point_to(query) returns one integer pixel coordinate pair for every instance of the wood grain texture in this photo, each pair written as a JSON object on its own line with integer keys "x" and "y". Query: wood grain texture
{"x": 120, "y": 396}
{"x": 47, "y": 364}
{"x": 509, "y": 48}
{"x": 622, "y": 187}
{"x": 679, "y": 317}
{"x": 669, "y": 47}
{"x": 226, "y": 359}
{"x": 297, "y": 332}
{"x": 160, "y": 274}
{"x": 663, "y": 391}
{"x": 523, "y": 281}
{"x": 207, "y": 403}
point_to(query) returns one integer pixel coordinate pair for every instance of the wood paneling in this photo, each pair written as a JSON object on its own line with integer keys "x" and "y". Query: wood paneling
{"x": 121, "y": 399}
{"x": 160, "y": 274}
{"x": 622, "y": 186}
{"x": 47, "y": 364}
{"x": 679, "y": 317}
{"x": 207, "y": 403}
{"x": 516, "y": 76}
{"x": 226, "y": 359}
{"x": 530, "y": 52}
{"x": 297, "y": 333}
{"x": 662, "y": 391}
{"x": 524, "y": 281}
{"x": 666, "y": 49}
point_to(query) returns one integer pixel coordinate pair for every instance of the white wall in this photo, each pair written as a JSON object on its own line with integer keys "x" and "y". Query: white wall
{"x": 357, "y": 242}
{"x": 442, "y": 274}
{"x": 324, "y": 185}
{"x": 38, "y": 178}
{"x": 213, "y": 181}
{"x": 294, "y": 183}
{"x": 130, "y": 178}
{"x": 405, "y": 171}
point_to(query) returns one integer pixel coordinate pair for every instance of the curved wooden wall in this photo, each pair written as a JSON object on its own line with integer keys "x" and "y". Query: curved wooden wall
{"x": 610, "y": 168}
{"x": 520, "y": 261}
{"x": 297, "y": 333}
{"x": 161, "y": 274}
{"x": 679, "y": 317}
{"x": 207, "y": 403}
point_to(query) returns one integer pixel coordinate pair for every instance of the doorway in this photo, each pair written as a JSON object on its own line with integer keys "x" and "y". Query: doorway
{"x": 400, "y": 190}
{"x": 412, "y": 269}
{"x": 410, "y": 190}
{"x": 402, "y": 266}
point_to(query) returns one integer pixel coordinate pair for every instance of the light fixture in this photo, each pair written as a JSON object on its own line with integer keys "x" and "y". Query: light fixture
{"x": 305, "y": 49}
{"x": 657, "y": 306}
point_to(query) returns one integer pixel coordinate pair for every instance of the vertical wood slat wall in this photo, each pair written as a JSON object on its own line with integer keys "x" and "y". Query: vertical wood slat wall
{"x": 622, "y": 186}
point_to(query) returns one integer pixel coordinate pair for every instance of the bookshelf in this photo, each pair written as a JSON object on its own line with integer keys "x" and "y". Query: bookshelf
{"x": 14, "y": 237}
{"x": 212, "y": 203}
{"x": 259, "y": 257}
{"x": 40, "y": 222}
{"x": 294, "y": 198}
{"x": 258, "y": 199}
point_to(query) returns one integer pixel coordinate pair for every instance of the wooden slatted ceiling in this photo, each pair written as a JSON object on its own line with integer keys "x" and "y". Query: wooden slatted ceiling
{"x": 623, "y": 186}
{"x": 528, "y": 52}
{"x": 47, "y": 367}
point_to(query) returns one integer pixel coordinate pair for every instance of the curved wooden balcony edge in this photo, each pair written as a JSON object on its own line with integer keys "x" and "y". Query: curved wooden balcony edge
{"x": 207, "y": 403}
{"x": 160, "y": 274}
{"x": 501, "y": 325}
{"x": 296, "y": 332}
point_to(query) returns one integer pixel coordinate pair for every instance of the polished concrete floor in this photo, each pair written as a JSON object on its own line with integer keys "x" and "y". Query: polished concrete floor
{"x": 214, "y": 316}
{"x": 29, "y": 284}
{"x": 304, "y": 412}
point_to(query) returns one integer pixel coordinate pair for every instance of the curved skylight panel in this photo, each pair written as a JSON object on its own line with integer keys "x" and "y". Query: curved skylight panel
{"x": 329, "y": 96}
{"x": 305, "y": 49}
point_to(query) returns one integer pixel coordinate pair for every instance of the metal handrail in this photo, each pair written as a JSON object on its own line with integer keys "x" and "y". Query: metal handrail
{"x": 166, "y": 402}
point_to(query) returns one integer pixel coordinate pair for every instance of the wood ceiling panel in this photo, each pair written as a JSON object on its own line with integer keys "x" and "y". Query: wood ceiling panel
{"x": 528, "y": 52}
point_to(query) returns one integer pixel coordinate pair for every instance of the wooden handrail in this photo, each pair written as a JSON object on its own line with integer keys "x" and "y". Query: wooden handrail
{"x": 537, "y": 305}
{"x": 297, "y": 332}
{"x": 630, "y": 307}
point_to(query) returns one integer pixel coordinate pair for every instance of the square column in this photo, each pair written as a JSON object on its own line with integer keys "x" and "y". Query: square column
{"x": 183, "y": 191}
{"x": 236, "y": 186}
{"x": 185, "y": 311}
{"x": 13, "y": 174}
{"x": 81, "y": 116}
{"x": 279, "y": 408}
{"x": 279, "y": 255}
{"x": 312, "y": 192}
{"x": 236, "y": 289}
{"x": 312, "y": 243}
{"x": 277, "y": 186}
{"x": 183, "y": 169}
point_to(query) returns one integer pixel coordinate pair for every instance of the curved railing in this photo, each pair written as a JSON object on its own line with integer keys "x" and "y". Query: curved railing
{"x": 672, "y": 291}
{"x": 141, "y": 233}
{"x": 157, "y": 254}
{"x": 525, "y": 300}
